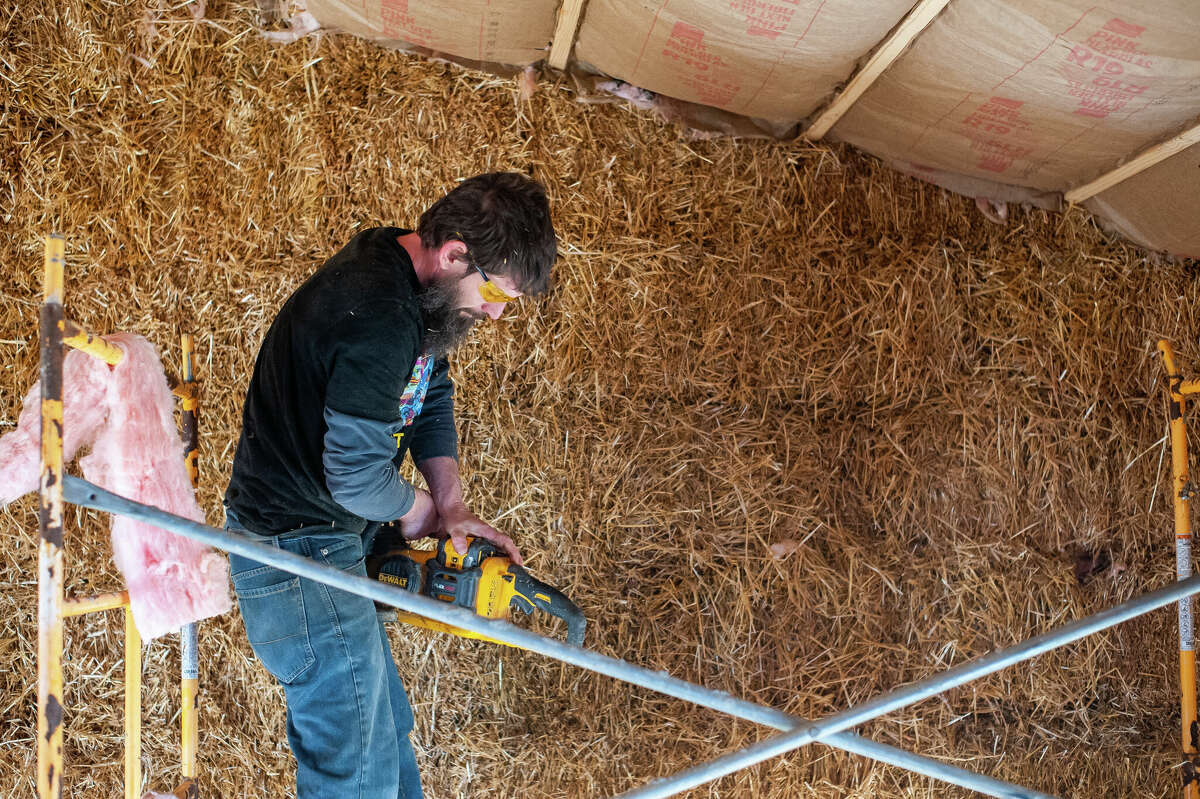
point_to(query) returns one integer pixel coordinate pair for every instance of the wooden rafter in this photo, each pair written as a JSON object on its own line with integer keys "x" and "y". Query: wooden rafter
{"x": 564, "y": 32}
{"x": 1148, "y": 158}
{"x": 917, "y": 20}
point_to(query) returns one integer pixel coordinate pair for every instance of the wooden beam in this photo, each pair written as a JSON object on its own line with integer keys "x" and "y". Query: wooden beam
{"x": 564, "y": 32}
{"x": 917, "y": 20}
{"x": 1148, "y": 158}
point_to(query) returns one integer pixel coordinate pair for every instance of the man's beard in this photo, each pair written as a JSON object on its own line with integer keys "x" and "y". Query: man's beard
{"x": 446, "y": 325}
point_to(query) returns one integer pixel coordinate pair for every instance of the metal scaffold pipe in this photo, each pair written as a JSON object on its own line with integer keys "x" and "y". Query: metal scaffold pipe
{"x": 85, "y": 494}
{"x": 189, "y": 649}
{"x": 910, "y": 694}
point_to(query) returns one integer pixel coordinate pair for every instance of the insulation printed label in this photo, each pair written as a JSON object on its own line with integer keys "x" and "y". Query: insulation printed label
{"x": 1183, "y": 569}
{"x": 1099, "y": 77}
{"x": 504, "y": 31}
{"x": 764, "y": 19}
{"x": 705, "y": 73}
{"x": 1108, "y": 70}
{"x": 490, "y": 35}
{"x": 770, "y": 59}
{"x": 998, "y": 133}
{"x": 398, "y": 23}
{"x": 1040, "y": 95}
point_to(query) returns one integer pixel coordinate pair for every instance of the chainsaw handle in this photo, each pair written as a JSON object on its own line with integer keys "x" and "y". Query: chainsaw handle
{"x": 532, "y": 592}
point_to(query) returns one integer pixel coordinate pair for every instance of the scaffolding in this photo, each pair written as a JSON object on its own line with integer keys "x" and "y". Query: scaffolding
{"x": 53, "y": 606}
{"x": 835, "y": 730}
{"x": 1181, "y": 495}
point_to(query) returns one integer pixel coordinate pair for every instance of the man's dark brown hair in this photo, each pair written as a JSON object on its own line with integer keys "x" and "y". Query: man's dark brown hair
{"x": 504, "y": 219}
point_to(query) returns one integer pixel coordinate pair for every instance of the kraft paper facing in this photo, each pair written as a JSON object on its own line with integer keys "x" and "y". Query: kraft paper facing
{"x": 1160, "y": 207}
{"x": 515, "y": 32}
{"x": 1046, "y": 95}
{"x": 770, "y": 59}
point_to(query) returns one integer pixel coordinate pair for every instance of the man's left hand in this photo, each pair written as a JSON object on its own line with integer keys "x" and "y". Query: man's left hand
{"x": 459, "y": 522}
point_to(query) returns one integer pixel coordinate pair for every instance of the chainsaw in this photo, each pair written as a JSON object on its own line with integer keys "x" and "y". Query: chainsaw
{"x": 481, "y": 580}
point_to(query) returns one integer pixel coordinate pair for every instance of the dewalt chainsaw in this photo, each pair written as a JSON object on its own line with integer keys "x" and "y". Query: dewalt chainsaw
{"x": 481, "y": 580}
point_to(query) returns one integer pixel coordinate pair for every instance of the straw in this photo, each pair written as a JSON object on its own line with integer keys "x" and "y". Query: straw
{"x": 789, "y": 425}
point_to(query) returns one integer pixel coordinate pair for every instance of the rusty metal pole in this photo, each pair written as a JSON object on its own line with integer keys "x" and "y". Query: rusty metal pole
{"x": 188, "y": 645}
{"x": 50, "y": 527}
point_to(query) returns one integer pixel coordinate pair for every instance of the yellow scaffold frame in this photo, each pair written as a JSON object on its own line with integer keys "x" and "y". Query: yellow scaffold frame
{"x": 1181, "y": 495}
{"x": 53, "y": 606}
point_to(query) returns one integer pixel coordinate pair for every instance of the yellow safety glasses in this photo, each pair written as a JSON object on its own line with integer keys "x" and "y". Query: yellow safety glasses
{"x": 489, "y": 290}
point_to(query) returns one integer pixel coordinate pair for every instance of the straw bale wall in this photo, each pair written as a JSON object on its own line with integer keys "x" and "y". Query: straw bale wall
{"x": 789, "y": 424}
{"x": 1001, "y": 99}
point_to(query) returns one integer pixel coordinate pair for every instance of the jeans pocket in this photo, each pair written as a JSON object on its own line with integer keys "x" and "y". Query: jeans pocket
{"x": 276, "y": 624}
{"x": 341, "y": 552}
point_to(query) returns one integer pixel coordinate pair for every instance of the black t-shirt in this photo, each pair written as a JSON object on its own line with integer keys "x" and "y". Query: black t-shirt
{"x": 348, "y": 340}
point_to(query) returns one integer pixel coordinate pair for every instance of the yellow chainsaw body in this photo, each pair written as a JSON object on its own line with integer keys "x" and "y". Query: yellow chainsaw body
{"x": 491, "y": 601}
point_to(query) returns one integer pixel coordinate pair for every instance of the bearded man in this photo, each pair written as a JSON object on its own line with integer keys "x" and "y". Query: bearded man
{"x": 351, "y": 376}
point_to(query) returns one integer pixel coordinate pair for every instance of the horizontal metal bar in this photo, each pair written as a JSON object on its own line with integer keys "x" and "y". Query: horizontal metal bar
{"x": 907, "y": 695}
{"x": 78, "y": 338}
{"x": 81, "y": 492}
{"x": 77, "y": 606}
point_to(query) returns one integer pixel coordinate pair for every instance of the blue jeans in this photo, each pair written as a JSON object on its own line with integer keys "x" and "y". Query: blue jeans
{"x": 348, "y": 717}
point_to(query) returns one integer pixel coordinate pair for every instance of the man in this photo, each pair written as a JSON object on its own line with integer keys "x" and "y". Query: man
{"x": 350, "y": 377}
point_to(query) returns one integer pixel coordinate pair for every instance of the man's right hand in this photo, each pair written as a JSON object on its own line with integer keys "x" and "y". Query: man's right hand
{"x": 422, "y": 518}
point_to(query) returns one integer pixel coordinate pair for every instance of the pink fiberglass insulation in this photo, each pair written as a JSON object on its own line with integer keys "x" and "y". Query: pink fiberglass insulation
{"x": 84, "y": 413}
{"x": 126, "y": 414}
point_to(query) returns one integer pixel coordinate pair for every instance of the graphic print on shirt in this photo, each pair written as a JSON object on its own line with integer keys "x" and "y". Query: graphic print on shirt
{"x": 414, "y": 393}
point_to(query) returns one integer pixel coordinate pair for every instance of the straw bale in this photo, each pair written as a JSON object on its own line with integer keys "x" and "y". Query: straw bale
{"x": 789, "y": 424}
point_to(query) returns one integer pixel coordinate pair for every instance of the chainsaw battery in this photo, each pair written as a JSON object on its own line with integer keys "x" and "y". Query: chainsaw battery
{"x": 401, "y": 572}
{"x": 453, "y": 586}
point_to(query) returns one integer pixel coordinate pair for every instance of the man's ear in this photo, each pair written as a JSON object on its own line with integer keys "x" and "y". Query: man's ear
{"x": 450, "y": 254}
